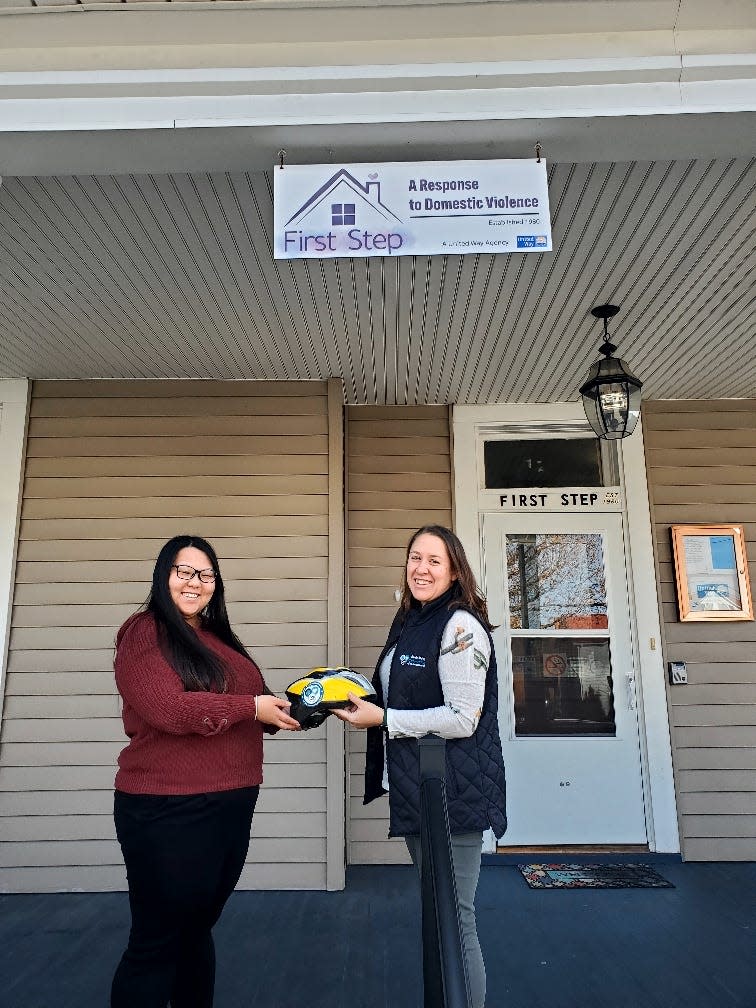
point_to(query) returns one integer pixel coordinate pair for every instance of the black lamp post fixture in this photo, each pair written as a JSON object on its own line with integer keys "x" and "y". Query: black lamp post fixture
{"x": 611, "y": 393}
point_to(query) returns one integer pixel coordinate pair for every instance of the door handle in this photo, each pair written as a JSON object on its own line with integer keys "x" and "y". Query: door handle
{"x": 630, "y": 690}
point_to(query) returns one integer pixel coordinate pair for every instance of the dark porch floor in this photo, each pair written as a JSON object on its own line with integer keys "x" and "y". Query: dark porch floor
{"x": 692, "y": 946}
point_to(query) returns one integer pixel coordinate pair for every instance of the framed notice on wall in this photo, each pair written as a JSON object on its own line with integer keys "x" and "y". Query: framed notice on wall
{"x": 711, "y": 571}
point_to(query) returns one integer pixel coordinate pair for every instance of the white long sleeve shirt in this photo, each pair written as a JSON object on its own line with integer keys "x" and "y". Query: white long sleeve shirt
{"x": 462, "y": 667}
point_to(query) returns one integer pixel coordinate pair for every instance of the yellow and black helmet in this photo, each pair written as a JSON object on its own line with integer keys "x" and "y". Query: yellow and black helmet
{"x": 315, "y": 695}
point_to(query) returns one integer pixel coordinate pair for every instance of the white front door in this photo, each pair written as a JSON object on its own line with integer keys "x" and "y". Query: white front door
{"x": 556, "y": 586}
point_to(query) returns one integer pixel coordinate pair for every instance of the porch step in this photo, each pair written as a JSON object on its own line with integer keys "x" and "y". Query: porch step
{"x": 575, "y": 849}
{"x": 579, "y": 854}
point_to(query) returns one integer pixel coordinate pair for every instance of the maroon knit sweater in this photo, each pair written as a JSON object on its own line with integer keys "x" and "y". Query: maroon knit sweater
{"x": 181, "y": 742}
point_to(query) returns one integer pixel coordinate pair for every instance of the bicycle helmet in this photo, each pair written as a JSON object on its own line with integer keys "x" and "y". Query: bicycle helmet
{"x": 323, "y": 690}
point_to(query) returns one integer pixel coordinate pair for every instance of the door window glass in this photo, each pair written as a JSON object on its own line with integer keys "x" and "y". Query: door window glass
{"x": 562, "y": 686}
{"x": 556, "y": 590}
{"x": 556, "y": 581}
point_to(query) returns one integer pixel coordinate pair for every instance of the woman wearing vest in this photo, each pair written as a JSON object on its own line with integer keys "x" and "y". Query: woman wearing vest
{"x": 437, "y": 673}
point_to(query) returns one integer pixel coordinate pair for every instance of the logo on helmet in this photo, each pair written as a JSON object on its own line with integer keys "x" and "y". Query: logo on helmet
{"x": 312, "y": 694}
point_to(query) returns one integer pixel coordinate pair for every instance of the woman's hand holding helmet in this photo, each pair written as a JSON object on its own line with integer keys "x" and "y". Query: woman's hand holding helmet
{"x": 361, "y": 713}
{"x": 272, "y": 710}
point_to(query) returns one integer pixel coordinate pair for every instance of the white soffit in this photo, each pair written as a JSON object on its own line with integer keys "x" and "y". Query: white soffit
{"x": 166, "y": 276}
{"x": 135, "y": 237}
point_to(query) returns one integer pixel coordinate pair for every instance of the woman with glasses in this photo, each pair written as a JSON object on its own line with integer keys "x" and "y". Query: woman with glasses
{"x": 195, "y": 706}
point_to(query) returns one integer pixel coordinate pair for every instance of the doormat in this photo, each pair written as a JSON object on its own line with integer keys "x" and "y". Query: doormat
{"x": 593, "y": 876}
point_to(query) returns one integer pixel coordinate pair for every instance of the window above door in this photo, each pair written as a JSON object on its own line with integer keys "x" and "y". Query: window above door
{"x": 547, "y": 462}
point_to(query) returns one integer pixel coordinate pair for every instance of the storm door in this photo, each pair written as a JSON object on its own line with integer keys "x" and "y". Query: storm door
{"x": 556, "y": 584}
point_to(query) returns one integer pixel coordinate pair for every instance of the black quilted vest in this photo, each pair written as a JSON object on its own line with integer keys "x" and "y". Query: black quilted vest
{"x": 475, "y": 788}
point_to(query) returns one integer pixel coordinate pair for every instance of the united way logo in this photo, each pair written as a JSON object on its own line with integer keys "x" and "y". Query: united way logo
{"x": 532, "y": 241}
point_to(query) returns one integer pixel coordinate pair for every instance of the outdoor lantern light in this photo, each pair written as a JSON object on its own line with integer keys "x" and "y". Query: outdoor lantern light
{"x": 611, "y": 394}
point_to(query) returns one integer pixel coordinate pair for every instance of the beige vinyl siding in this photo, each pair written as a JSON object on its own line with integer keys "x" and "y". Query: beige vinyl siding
{"x": 701, "y": 460}
{"x": 113, "y": 470}
{"x": 398, "y": 478}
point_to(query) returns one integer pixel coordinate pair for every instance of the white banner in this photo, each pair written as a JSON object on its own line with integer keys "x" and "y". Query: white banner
{"x": 413, "y": 208}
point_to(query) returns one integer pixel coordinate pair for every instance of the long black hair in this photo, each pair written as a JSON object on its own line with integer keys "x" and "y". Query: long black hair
{"x": 196, "y": 665}
{"x": 466, "y": 591}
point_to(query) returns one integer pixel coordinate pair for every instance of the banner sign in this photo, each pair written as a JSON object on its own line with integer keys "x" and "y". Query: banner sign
{"x": 412, "y": 208}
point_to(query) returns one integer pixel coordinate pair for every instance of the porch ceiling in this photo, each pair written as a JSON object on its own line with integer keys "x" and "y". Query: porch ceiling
{"x": 167, "y": 276}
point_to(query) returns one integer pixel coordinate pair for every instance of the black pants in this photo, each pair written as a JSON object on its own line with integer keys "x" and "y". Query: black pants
{"x": 183, "y": 855}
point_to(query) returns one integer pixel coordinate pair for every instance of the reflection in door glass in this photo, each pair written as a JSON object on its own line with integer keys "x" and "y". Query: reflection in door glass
{"x": 562, "y": 686}
{"x": 556, "y": 581}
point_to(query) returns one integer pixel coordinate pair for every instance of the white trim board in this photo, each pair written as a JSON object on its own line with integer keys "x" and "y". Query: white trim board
{"x": 14, "y": 410}
{"x": 494, "y": 104}
{"x": 468, "y": 424}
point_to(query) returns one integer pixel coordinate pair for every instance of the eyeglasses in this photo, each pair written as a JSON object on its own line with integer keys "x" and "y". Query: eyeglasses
{"x": 186, "y": 573}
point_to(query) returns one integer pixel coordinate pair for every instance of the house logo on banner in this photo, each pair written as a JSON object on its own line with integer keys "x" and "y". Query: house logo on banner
{"x": 345, "y": 204}
{"x": 421, "y": 208}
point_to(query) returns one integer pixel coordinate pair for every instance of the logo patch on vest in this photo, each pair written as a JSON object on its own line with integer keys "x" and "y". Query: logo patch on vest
{"x": 416, "y": 661}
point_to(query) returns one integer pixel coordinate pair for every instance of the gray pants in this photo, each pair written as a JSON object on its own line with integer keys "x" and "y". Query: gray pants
{"x": 466, "y": 850}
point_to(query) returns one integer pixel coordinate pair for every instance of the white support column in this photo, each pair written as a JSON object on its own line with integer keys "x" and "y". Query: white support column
{"x": 14, "y": 410}
{"x": 661, "y": 816}
{"x": 335, "y": 761}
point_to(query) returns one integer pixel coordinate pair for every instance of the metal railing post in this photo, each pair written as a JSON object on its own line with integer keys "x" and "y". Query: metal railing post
{"x": 445, "y": 981}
